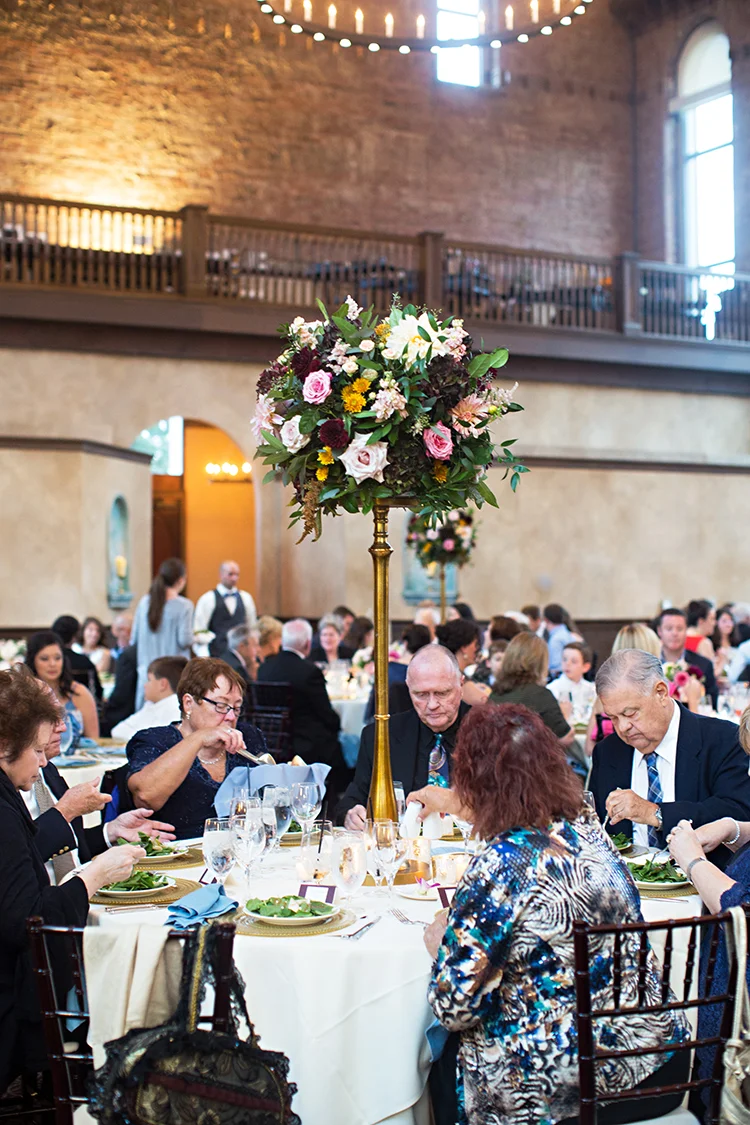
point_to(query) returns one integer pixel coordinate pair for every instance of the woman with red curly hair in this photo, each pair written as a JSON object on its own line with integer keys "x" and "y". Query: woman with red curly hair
{"x": 503, "y": 977}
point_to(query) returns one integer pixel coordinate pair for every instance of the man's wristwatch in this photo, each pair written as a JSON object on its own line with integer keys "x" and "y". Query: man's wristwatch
{"x": 659, "y": 818}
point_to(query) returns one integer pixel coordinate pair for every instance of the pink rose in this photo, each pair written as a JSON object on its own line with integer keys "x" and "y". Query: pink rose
{"x": 363, "y": 461}
{"x": 438, "y": 442}
{"x": 448, "y": 544}
{"x": 680, "y": 679}
{"x": 317, "y": 387}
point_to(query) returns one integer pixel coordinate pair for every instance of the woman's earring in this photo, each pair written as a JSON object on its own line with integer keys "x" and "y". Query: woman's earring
{"x": 189, "y": 713}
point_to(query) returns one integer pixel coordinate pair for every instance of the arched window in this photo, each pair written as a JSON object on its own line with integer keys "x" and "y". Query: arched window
{"x": 705, "y": 108}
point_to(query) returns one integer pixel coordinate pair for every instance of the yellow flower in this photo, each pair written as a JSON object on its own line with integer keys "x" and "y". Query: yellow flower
{"x": 322, "y": 473}
{"x": 383, "y": 331}
{"x": 325, "y": 456}
{"x": 361, "y": 385}
{"x": 354, "y": 401}
{"x": 440, "y": 472}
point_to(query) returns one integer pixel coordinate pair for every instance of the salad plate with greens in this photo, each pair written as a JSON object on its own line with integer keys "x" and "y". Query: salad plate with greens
{"x": 157, "y": 851}
{"x": 140, "y": 882}
{"x": 290, "y": 910}
{"x": 649, "y": 872}
{"x": 622, "y": 842}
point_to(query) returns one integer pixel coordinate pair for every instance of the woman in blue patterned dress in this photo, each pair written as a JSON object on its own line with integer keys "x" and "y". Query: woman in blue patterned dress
{"x": 47, "y": 659}
{"x": 503, "y": 976}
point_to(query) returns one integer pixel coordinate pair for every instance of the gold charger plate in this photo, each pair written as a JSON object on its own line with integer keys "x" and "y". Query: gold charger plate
{"x": 250, "y": 928}
{"x": 291, "y": 839}
{"x": 193, "y": 857}
{"x": 163, "y": 897}
{"x": 681, "y": 891}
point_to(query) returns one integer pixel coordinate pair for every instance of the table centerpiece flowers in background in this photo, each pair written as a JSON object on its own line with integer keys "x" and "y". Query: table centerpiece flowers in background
{"x": 361, "y": 413}
{"x": 11, "y": 652}
{"x": 451, "y": 541}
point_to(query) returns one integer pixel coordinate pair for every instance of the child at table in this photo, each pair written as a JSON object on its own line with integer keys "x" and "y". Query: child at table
{"x": 575, "y": 694}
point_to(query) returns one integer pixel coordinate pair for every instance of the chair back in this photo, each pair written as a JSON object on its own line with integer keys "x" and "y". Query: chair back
{"x": 57, "y": 961}
{"x": 115, "y": 782}
{"x": 696, "y": 932}
{"x": 269, "y": 709}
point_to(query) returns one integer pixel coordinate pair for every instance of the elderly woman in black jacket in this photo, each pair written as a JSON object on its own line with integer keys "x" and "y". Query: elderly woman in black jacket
{"x": 28, "y": 717}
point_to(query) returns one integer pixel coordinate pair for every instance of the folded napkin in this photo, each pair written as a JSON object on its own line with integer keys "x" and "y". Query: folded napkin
{"x": 199, "y": 906}
{"x": 255, "y": 777}
{"x": 433, "y": 826}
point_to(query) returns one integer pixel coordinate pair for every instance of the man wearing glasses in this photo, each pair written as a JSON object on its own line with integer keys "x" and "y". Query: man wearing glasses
{"x": 178, "y": 769}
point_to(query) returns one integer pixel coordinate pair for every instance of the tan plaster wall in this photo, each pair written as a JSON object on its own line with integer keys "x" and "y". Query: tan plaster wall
{"x": 608, "y": 542}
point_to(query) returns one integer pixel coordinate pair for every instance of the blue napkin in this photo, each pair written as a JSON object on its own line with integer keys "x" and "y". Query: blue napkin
{"x": 436, "y": 1036}
{"x": 256, "y": 777}
{"x": 199, "y": 907}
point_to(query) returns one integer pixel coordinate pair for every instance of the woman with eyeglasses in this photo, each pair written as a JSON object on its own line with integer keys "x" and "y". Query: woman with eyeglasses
{"x": 178, "y": 769}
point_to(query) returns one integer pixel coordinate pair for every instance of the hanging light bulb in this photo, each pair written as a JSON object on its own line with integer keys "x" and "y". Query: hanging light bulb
{"x": 389, "y": 25}
{"x": 534, "y": 7}
{"x": 331, "y": 15}
{"x": 509, "y": 18}
{"x": 420, "y": 27}
{"x": 359, "y": 21}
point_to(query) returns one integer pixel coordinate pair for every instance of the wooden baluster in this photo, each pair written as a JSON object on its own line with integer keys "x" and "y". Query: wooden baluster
{"x": 667, "y": 967}
{"x": 194, "y": 248}
{"x": 584, "y": 1021}
{"x": 617, "y": 971}
{"x": 643, "y": 951}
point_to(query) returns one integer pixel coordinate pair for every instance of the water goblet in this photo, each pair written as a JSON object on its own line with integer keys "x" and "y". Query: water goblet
{"x": 278, "y": 798}
{"x": 241, "y": 801}
{"x": 349, "y": 861}
{"x": 306, "y": 803}
{"x": 218, "y": 851}
{"x": 391, "y": 850}
{"x": 248, "y": 841}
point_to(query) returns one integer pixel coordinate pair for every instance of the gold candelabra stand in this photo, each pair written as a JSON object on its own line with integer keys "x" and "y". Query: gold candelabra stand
{"x": 381, "y": 802}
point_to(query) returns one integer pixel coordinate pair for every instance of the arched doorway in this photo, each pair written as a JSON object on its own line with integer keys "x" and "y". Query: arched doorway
{"x": 203, "y": 500}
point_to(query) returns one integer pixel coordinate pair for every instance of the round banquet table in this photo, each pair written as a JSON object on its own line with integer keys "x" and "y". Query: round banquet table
{"x": 346, "y": 1013}
{"x": 75, "y": 775}
{"x": 352, "y": 713}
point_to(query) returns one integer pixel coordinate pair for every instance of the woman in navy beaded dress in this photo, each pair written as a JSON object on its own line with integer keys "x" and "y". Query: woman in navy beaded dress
{"x": 178, "y": 769}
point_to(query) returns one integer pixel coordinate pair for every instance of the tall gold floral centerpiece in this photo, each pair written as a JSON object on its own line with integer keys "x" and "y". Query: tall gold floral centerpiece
{"x": 450, "y": 542}
{"x": 364, "y": 414}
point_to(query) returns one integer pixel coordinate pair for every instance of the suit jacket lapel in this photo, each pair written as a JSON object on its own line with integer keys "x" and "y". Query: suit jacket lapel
{"x": 686, "y": 776}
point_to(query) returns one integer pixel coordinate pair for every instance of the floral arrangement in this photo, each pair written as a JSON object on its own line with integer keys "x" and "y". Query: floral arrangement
{"x": 679, "y": 674}
{"x": 11, "y": 652}
{"x": 357, "y": 409}
{"x": 452, "y": 541}
{"x": 362, "y": 661}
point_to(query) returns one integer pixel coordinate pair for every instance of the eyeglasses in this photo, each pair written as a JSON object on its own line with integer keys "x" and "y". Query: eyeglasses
{"x": 222, "y": 708}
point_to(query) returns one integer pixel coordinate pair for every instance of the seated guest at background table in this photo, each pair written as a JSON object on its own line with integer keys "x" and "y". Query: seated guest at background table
{"x": 672, "y": 631}
{"x": 269, "y": 637}
{"x": 575, "y": 694}
{"x": 92, "y": 643}
{"x": 635, "y": 635}
{"x": 163, "y": 623}
{"x": 522, "y": 679}
{"x": 162, "y": 705}
{"x": 429, "y": 616}
{"x": 345, "y": 616}
{"x": 315, "y": 724}
{"x": 224, "y": 608}
{"x": 500, "y": 628}
{"x": 421, "y": 740}
{"x": 533, "y": 615}
{"x": 28, "y": 717}
{"x": 504, "y": 977}
{"x": 558, "y": 635}
{"x": 459, "y": 609}
{"x": 84, "y": 672}
{"x": 121, "y": 702}
{"x": 663, "y": 764}
{"x": 701, "y": 622}
{"x": 330, "y": 645}
{"x": 121, "y": 628}
{"x": 461, "y": 637}
{"x": 725, "y": 640}
{"x": 49, "y": 661}
{"x": 176, "y": 770}
{"x": 361, "y": 634}
{"x": 413, "y": 638}
{"x": 58, "y": 811}
{"x": 241, "y": 652}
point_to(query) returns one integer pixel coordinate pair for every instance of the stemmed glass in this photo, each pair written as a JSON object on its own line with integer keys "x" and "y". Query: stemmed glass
{"x": 349, "y": 861}
{"x": 391, "y": 850}
{"x": 373, "y": 862}
{"x": 242, "y": 801}
{"x": 398, "y": 789}
{"x": 306, "y": 803}
{"x": 466, "y": 828}
{"x": 316, "y": 851}
{"x": 278, "y": 798}
{"x": 218, "y": 850}
{"x": 248, "y": 840}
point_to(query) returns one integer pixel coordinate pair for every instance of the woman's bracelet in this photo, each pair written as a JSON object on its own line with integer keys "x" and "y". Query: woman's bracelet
{"x": 736, "y": 836}
{"x": 691, "y": 865}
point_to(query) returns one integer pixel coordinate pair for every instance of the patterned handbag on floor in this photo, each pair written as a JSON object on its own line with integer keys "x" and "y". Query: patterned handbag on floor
{"x": 179, "y": 1074}
{"x": 735, "y": 1095}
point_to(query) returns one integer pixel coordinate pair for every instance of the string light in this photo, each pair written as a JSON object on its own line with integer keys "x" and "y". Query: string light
{"x": 319, "y": 37}
{"x": 566, "y": 21}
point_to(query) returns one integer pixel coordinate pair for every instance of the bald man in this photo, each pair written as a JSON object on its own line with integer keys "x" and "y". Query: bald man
{"x": 421, "y": 740}
{"x": 224, "y": 607}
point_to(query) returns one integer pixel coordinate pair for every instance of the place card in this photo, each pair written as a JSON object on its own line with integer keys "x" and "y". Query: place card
{"x": 317, "y": 892}
{"x": 445, "y": 894}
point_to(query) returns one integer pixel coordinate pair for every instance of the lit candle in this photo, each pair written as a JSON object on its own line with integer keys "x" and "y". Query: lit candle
{"x": 389, "y": 25}
{"x": 420, "y": 27}
{"x": 331, "y": 15}
{"x": 534, "y": 6}
{"x": 482, "y": 22}
{"x": 359, "y": 21}
{"x": 307, "y": 8}
{"x": 509, "y": 17}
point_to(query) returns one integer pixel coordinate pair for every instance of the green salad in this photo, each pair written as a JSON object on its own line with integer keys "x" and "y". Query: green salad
{"x": 294, "y": 826}
{"x": 650, "y": 872}
{"x": 151, "y": 845}
{"x": 139, "y": 881}
{"x": 289, "y": 906}
{"x": 621, "y": 841}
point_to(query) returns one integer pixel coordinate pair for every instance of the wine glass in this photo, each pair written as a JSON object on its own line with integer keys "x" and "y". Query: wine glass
{"x": 349, "y": 861}
{"x": 248, "y": 840}
{"x": 268, "y": 820}
{"x": 306, "y": 803}
{"x": 242, "y": 801}
{"x": 391, "y": 850}
{"x": 373, "y": 861}
{"x": 278, "y": 798}
{"x": 398, "y": 789}
{"x": 466, "y": 828}
{"x": 218, "y": 850}
{"x": 589, "y": 800}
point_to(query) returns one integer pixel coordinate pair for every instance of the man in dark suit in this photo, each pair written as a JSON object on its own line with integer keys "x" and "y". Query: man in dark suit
{"x": 663, "y": 764}
{"x": 121, "y": 703}
{"x": 421, "y": 740}
{"x": 315, "y": 724}
{"x": 84, "y": 671}
{"x": 241, "y": 652}
{"x": 672, "y": 629}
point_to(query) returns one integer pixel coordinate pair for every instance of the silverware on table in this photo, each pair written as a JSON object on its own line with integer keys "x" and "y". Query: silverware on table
{"x": 401, "y": 917}
{"x": 134, "y": 906}
{"x": 353, "y": 935}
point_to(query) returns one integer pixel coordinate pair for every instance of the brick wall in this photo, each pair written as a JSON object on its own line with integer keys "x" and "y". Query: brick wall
{"x": 137, "y": 102}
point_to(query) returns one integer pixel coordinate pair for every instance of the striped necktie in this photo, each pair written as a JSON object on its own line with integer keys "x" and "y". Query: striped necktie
{"x": 655, "y": 795}
{"x": 63, "y": 864}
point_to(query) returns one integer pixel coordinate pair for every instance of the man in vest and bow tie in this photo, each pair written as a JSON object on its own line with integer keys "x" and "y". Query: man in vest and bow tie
{"x": 224, "y": 608}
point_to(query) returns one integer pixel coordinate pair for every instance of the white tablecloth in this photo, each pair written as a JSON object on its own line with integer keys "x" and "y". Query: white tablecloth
{"x": 77, "y": 774}
{"x": 352, "y": 714}
{"x": 350, "y": 1015}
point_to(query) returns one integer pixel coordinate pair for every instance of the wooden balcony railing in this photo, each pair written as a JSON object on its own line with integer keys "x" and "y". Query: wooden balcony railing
{"x": 53, "y": 244}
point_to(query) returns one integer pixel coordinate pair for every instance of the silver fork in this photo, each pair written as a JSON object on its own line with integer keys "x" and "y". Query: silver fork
{"x": 358, "y": 933}
{"x": 401, "y": 917}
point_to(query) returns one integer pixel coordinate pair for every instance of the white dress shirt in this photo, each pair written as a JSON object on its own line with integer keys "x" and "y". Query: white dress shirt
{"x": 159, "y": 714}
{"x": 206, "y": 604}
{"x": 31, "y": 804}
{"x": 666, "y": 760}
{"x": 738, "y": 663}
{"x": 581, "y": 694}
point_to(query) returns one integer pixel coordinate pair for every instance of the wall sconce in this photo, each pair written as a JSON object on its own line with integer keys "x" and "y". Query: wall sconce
{"x": 229, "y": 473}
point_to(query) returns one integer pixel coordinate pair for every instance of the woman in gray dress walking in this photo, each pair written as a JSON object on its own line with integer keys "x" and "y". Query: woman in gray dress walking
{"x": 163, "y": 623}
